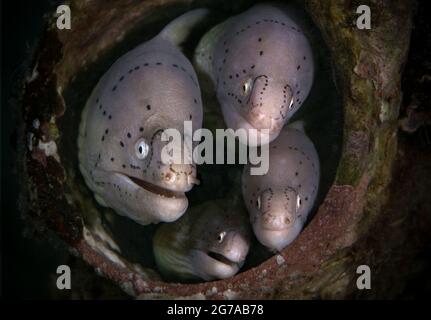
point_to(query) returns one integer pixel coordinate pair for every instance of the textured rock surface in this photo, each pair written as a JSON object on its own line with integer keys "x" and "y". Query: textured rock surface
{"x": 344, "y": 233}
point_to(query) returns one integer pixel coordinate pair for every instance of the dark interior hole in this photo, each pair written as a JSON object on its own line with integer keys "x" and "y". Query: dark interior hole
{"x": 322, "y": 113}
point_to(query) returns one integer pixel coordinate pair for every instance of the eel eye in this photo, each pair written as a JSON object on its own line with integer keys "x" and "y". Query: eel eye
{"x": 258, "y": 202}
{"x": 141, "y": 149}
{"x": 221, "y": 236}
{"x": 298, "y": 202}
{"x": 291, "y": 103}
{"x": 246, "y": 87}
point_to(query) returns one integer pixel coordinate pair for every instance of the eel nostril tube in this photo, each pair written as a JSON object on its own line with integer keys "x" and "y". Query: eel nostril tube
{"x": 193, "y": 180}
{"x": 170, "y": 177}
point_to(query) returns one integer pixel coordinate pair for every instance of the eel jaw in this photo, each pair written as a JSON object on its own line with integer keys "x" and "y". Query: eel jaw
{"x": 223, "y": 266}
{"x": 236, "y": 121}
{"x": 157, "y": 190}
{"x": 222, "y": 259}
{"x": 157, "y": 204}
{"x": 210, "y": 265}
{"x": 277, "y": 239}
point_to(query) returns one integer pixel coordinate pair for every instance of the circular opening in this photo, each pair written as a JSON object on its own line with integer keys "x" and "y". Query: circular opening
{"x": 322, "y": 113}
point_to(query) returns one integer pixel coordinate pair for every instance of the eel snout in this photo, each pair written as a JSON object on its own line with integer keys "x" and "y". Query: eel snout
{"x": 179, "y": 177}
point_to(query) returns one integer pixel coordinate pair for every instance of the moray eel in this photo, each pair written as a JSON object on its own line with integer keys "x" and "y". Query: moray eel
{"x": 280, "y": 201}
{"x": 211, "y": 241}
{"x": 262, "y": 68}
{"x": 149, "y": 89}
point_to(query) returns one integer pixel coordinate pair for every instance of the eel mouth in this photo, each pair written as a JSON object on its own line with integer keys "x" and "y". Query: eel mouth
{"x": 221, "y": 258}
{"x": 156, "y": 189}
{"x": 275, "y": 125}
{"x": 248, "y": 125}
{"x": 275, "y": 229}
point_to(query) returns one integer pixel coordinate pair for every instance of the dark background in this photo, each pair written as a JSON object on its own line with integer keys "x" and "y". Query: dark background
{"x": 28, "y": 259}
{"x": 25, "y": 262}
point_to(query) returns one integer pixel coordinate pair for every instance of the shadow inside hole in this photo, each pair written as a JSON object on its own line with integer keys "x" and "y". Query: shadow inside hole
{"x": 321, "y": 112}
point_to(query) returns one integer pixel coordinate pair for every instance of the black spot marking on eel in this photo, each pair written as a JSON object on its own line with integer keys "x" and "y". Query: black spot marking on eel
{"x": 151, "y": 150}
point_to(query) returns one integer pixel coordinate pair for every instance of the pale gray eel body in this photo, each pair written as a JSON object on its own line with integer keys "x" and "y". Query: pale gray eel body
{"x": 151, "y": 88}
{"x": 211, "y": 241}
{"x": 280, "y": 201}
{"x": 261, "y": 66}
